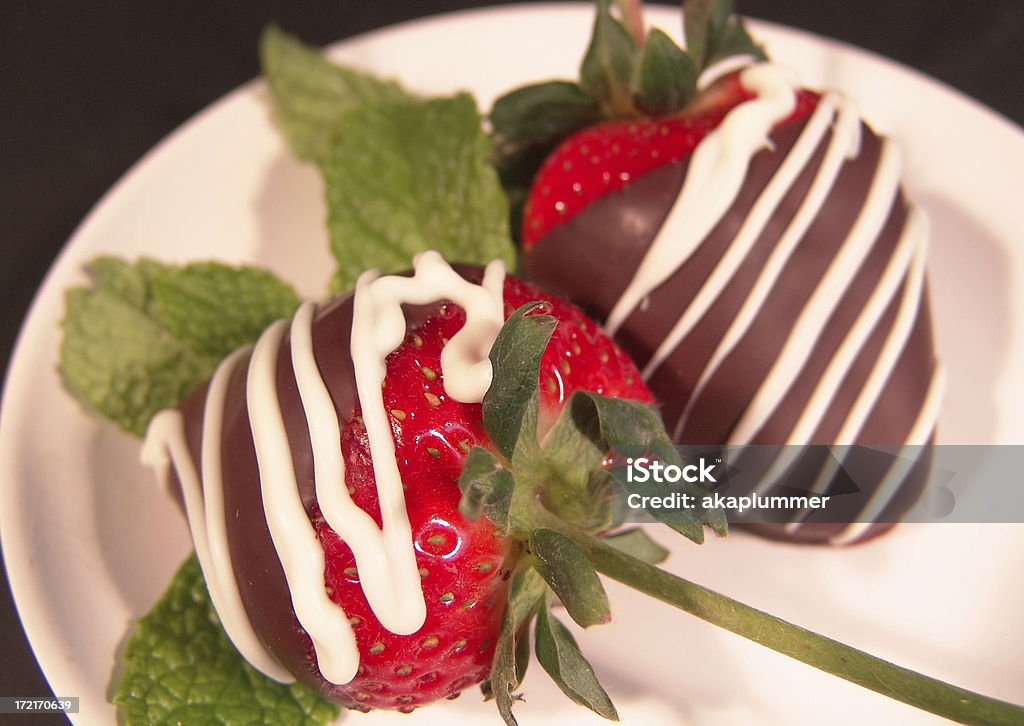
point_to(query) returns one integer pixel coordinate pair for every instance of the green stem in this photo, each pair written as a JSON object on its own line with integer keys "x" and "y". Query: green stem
{"x": 633, "y": 19}
{"x": 831, "y": 656}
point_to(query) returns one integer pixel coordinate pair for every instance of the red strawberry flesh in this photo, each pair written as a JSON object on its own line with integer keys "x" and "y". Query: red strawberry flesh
{"x": 460, "y": 562}
{"x": 601, "y": 159}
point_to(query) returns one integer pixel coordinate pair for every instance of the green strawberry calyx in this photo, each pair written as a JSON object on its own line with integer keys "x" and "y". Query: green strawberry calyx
{"x": 624, "y": 74}
{"x": 549, "y": 489}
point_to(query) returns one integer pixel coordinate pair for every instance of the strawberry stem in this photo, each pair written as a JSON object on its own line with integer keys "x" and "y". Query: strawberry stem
{"x": 633, "y": 18}
{"x": 831, "y": 656}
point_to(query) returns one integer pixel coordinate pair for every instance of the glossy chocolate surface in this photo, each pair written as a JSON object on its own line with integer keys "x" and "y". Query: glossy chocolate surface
{"x": 591, "y": 259}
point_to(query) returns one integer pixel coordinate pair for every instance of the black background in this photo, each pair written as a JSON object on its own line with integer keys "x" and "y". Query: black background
{"x": 86, "y": 88}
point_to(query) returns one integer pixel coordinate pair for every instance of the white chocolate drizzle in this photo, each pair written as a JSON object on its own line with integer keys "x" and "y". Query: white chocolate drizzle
{"x": 868, "y": 396}
{"x": 748, "y": 233}
{"x": 906, "y": 267}
{"x": 825, "y": 298}
{"x": 844, "y": 144}
{"x": 293, "y": 535}
{"x": 717, "y": 169}
{"x": 902, "y": 464}
{"x": 165, "y": 446}
{"x": 385, "y": 556}
{"x": 718, "y": 166}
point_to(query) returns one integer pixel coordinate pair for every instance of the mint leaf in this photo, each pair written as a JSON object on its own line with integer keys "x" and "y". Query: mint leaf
{"x": 311, "y": 94}
{"x": 180, "y": 667}
{"x": 404, "y": 178}
{"x": 567, "y": 571}
{"x": 144, "y": 335}
{"x": 560, "y": 656}
{"x": 403, "y": 175}
{"x": 214, "y": 307}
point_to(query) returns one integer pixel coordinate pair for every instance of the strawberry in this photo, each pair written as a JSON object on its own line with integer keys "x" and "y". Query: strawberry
{"x": 601, "y": 159}
{"x": 759, "y": 263}
{"x": 636, "y": 107}
{"x": 464, "y": 565}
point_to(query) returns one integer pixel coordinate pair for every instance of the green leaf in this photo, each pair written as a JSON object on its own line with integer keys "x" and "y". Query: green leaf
{"x": 541, "y": 112}
{"x": 486, "y": 488}
{"x": 577, "y": 488}
{"x": 713, "y": 33}
{"x": 735, "y": 40}
{"x": 217, "y": 308}
{"x": 567, "y": 571}
{"x": 560, "y": 656}
{"x": 576, "y": 439}
{"x": 510, "y": 404}
{"x": 668, "y": 79}
{"x": 527, "y": 124}
{"x": 608, "y": 67}
{"x": 405, "y": 178}
{"x": 637, "y": 426}
{"x": 702, "y": 21}
{"x": 525, "y": 594}
{"x": 637, "y": 543}
{"x": 180, "y": 667}
{"x": 142, "y": 336}
{"x": 311, "y": 95}
{"x": 522, "y": 655}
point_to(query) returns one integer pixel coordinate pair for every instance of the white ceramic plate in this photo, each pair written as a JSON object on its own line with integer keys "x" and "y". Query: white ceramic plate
{"x": 90, "y": 542}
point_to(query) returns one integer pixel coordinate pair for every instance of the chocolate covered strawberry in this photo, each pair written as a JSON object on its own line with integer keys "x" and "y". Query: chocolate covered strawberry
{"x": 339, "y": 443}
{"x": 756, "y": 256}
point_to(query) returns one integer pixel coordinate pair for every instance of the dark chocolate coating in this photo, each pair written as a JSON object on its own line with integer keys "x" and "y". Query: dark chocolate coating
{"x": 591, "y": 258}
{"x": 258, "y": 571}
